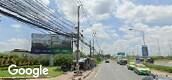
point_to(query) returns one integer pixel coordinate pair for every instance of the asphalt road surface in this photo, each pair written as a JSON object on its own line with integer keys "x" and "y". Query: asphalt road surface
{"x": 113, "y": 71}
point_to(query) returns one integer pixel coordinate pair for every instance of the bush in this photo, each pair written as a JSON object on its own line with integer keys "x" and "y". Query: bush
{"x": 31, "y": 59}
{"x": 61, "y": 59}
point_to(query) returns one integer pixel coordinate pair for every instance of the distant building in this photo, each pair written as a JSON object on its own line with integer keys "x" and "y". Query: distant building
{"x": 19, "y": 50}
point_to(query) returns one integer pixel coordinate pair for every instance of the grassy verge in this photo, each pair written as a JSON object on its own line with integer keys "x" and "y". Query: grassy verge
{"x": 160, "y": 68}
{"x": 98, "y": 62}
{"x": 52, "y": 72}
{"x": 26, "y": 66}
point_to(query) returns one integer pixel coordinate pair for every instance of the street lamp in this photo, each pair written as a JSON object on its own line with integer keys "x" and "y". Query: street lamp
{"x": 144, "y": 46}
{"x": 143, "y": 34}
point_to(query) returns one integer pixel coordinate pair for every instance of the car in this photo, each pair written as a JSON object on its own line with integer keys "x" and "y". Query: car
{"x": 141, "y": 69}
{"x": 144, "y": 59}
{"x": 131, "y": 65}
{"x": 139, "y": 60}
{"x": 107, "y": 61}
{"x": 149, "y": 60}
{"x": 122, "y": 61}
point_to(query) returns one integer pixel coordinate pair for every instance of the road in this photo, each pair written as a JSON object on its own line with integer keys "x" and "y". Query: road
{"x": 113, "y": 71}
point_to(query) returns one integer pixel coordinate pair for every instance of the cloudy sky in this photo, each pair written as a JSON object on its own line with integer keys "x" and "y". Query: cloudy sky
{"x": 110, "y": 19}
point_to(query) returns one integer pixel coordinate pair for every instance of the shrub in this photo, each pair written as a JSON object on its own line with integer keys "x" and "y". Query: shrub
{"x": 61, "y": 59}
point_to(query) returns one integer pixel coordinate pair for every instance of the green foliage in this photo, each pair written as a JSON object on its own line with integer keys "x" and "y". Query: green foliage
{"x": 162, "y": 57}
{"x": 61, "y": 59}
{"x": 52, "y": 72}
{"x": 159, "y": 67}
{"x": 98, "y": 59}
{"x": 22, "y": 59}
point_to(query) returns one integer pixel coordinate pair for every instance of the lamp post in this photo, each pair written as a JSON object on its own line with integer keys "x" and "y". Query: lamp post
{"x": 144, "y": 46}
{"x": 143, "y": 34}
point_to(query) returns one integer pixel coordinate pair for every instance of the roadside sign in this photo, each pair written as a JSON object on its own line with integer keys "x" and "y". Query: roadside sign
{"x": 50, "y": 44}
{"x": 145, "y": 51}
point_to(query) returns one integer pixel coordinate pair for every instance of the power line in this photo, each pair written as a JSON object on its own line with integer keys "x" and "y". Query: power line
{"x": 28, "y": 13}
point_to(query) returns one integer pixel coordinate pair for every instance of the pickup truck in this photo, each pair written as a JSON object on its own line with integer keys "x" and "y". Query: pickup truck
{"x": 122, "y": 61}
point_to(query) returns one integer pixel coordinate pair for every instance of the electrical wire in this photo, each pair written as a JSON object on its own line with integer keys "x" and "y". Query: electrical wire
{"x": 32, "y": 14}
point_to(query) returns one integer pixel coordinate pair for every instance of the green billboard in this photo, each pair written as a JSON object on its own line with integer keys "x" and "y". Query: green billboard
{"x": 50, "y": 44}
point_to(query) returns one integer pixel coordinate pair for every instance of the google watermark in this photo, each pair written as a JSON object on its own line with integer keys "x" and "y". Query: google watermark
{"x": 36, "y": 72}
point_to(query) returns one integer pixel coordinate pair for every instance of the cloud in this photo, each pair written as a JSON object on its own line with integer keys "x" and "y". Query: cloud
{"x": 131, "y": 39}
{"x": 100, "y": 9}
{"x": 101, "y": 31}
{"x": 14, "y": 43}
{"x": 148, "y": 14}
{"x": 16, "y": 26}
{"x": 46, "y": 2}
{"x": 155, "y": 20}
{"x": 105, "y": 36}
{"x": 96, "y": 9}
{"x": 68, "y": 8}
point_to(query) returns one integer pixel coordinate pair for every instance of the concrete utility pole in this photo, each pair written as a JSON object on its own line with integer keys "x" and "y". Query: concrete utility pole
{"x": 159, "y": 49}
{"x": 90, "y": 49}
{"x": 94, "y": 34}
{"x": 78, "y": 37}
{"x": 51, "y": 56}
{"x": 170, "y": 48}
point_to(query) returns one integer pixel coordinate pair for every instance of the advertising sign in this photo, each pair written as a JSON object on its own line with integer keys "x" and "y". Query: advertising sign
{"x": 144, "y": 51}
{"x": 50, "y": 44}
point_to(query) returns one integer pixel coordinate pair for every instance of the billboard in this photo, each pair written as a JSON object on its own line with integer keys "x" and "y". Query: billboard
{"x": 50, "y": 44}
{"x": 145, "y": 51}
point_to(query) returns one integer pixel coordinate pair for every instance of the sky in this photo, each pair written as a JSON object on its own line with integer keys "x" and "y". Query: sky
{"x": 110, "y": 19}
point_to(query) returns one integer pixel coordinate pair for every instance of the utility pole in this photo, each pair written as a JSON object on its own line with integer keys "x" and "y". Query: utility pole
{"x": 51, "y": 56}
{"x": 78, "y": 37}
{"x": 90, "y": 49}
{"x": 94, "y": 33}
{"x": 159, "y": 49}
{"x": 170, "y": 48}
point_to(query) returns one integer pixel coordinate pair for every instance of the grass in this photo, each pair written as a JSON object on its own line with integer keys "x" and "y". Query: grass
{"x": 52, "y": 72}
{"x": 160, "y": 68}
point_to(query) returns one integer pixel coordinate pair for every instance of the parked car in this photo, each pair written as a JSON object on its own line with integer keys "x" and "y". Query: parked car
{"x": 140, "y": 60}
{"x": 142, "y": 69}
{"x": 131, "y": 65}
{"x": 149, "y": 60}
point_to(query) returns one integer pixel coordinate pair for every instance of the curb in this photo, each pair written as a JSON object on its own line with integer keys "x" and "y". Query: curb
{"x": 82, "y": 77}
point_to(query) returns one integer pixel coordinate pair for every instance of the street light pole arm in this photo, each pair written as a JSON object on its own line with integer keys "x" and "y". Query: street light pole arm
{"x": 143, "y": 34}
